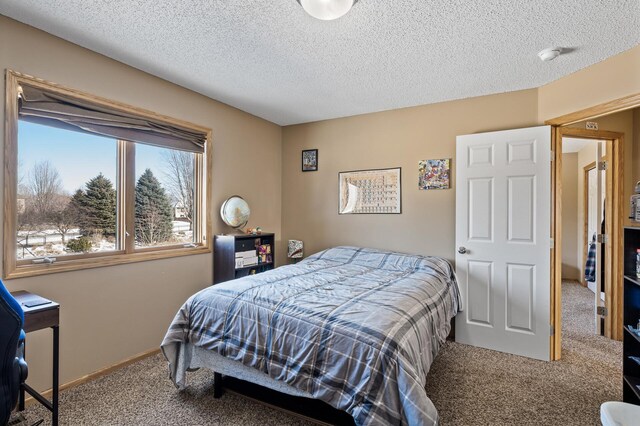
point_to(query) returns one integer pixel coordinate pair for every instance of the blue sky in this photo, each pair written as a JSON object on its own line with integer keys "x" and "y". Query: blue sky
{"x": 78, "y": 157}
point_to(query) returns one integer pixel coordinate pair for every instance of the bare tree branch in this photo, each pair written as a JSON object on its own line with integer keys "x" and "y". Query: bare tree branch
{"x": 179, "y": 173}
{"x": 44, "y": 187}
{"x": 45, "y": 203}
{"x": 63, "y": 216}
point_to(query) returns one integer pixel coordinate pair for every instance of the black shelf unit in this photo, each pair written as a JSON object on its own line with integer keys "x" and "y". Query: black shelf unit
{"x": 225, "y": 248}
{"x": 633, "y": 279}
{"x": 631, "y": 340}
{"x": 631, "y": 390}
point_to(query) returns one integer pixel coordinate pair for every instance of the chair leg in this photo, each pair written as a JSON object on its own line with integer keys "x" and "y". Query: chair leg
{"x": 21, "y": 395}
{"x": 217, "y": 385}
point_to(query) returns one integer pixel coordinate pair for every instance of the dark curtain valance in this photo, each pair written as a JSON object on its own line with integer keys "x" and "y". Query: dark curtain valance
{"x": 57, "y": 110}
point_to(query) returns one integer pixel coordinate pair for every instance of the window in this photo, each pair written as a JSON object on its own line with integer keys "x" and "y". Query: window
{"x": 164, "y": 210}
{"x": 94, "y": 183}
{"x": 67, "y": 199}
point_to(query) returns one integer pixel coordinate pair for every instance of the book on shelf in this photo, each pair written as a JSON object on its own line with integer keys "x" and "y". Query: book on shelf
{"x": 264, "y": 249}
{"x": 246, "y": 254}
{"x": 250, "y": 261}
{"x": 243, "y": 262}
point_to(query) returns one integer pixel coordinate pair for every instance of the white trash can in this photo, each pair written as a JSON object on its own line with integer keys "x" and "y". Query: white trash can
{"x": 615, "y": 413}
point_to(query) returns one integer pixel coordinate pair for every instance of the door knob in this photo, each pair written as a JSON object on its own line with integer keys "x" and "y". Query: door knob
{"x": 462, "y": 250}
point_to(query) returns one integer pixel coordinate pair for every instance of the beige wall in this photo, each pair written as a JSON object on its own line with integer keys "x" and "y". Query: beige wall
{"x": 99, "y": 306}
{"x": 614, "y": 78}
{"x": 110, "y": 314}
{"x": 387, "y": 139}
{"x": 403, "y": 137}
{"x": 622, "y": 122}
{"x": 570, "y": 260}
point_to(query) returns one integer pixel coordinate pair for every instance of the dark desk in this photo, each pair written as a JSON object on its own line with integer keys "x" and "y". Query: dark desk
{"x": 38, "y": 318}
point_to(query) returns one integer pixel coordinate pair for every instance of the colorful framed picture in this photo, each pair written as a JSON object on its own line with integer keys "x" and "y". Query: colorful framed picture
{"x": 434, "y": 174}
{"x": 370, "y": 192}
{"x": 310, "y": 160}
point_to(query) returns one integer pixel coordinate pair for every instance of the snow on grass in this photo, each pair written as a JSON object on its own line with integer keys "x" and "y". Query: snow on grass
{"x": 48, "y": 243}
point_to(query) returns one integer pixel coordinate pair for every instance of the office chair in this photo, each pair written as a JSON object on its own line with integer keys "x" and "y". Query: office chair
{"x": 13, "y": 368}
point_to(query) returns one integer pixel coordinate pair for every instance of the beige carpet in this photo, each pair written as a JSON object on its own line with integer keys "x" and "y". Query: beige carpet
{"x": 469, "y": 386}
{"x": 472, "y": 386}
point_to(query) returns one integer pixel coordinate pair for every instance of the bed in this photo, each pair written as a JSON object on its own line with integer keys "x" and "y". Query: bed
{"x": 356, "y": 328}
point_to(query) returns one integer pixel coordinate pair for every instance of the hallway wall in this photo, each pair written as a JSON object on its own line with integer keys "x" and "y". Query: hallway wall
{"x": 570, "y": 226}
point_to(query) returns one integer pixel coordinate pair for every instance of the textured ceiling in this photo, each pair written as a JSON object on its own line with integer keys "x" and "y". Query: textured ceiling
{"x": 269, "y": 58}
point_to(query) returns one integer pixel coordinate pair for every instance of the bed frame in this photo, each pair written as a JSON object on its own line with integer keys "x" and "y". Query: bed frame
{"x": 247, "y": 381}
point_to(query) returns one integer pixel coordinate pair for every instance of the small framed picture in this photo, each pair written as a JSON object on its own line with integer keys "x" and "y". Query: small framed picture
{"x": 310, "y": 160}
{"x": 434, "y": 174}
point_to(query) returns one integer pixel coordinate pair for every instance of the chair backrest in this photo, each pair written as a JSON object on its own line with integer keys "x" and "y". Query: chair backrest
{"x": 12, "y": 302}
{"x": 11, "y": 321}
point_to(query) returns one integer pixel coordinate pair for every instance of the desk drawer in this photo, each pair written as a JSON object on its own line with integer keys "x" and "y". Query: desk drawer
{"x": 41, "y": 319}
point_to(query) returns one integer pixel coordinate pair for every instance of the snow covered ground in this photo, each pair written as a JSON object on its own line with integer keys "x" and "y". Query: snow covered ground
{"x": 49, "y": 242}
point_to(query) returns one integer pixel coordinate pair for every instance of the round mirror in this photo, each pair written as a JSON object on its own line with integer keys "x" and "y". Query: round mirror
{"x": 235, "y": 212}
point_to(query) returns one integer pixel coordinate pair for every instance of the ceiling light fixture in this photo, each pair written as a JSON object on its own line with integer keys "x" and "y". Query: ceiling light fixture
{"x": 327, "y": 10}
{"x": 549, "y": 54}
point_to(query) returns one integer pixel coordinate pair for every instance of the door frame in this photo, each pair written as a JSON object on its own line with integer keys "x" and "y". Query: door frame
{"x": 606, "y": 108}
{"x": 614, "y": 194}
{"x": 585, "y": 216}
{"x": 613, "y": 321}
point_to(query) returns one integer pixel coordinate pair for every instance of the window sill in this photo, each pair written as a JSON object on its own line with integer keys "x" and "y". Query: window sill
{"x": 32, "y": 270}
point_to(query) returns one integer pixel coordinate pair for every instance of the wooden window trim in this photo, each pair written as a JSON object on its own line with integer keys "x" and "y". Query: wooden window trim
{"x": 125, "y": 182}
{"x": 72, "y": 257}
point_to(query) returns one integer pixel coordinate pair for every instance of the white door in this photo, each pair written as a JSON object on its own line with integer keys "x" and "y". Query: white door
{"x": 599, "y": 211}
{"x": 596, "y": 209}
{"x": 503, "y": 214}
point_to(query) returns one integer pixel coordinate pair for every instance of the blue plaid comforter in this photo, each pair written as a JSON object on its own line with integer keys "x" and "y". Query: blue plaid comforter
{"x": 356, "y": 328}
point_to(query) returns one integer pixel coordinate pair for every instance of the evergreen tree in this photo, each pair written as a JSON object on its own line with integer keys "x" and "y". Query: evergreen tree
{"x": 77, "y": 211}
{"x": 96, "y": 207}
{"x": 154, "y": 217}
